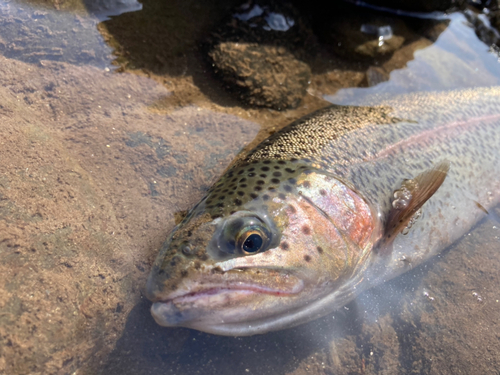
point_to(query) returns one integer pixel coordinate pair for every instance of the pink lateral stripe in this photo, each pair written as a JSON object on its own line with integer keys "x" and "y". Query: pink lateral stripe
{"x": 421, "y": 137}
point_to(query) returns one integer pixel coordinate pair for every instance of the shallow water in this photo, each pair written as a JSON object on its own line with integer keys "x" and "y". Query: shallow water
{"x": 99, "y": 157}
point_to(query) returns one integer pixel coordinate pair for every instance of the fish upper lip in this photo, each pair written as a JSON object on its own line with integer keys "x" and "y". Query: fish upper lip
{"x": 214, "y": 288}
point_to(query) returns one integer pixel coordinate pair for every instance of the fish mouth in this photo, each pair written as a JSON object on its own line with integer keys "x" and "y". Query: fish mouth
{"x": 216, "y": 290}
{"x": 219, "y": 303}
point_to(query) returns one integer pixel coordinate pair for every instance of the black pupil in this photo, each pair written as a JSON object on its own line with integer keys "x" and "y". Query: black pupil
{"x": 253, "y": 243}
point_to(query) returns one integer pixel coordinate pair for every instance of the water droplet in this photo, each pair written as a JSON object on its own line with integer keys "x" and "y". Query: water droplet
{"x": 399, "y": 204}
{"x": 477, "y": 296}
{"x": 402, "y": 197}
{"x": 427, "y": 295}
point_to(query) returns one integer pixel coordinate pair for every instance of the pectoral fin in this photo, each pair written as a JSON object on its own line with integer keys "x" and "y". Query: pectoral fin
{"x": 409, "y": 198}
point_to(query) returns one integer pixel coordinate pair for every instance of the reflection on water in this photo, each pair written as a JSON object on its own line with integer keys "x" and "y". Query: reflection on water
{"x": 455, "y": 60}
{"x": 93, "y": 172}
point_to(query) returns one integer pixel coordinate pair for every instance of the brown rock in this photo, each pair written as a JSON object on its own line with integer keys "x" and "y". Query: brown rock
{"x": 262, "y": 75}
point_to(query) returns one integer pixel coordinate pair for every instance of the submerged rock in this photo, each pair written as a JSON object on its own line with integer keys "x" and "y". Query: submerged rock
{"x": 266, "y": 76}
{"x": 255, "y": 46}
{"x": 365, "y": 37}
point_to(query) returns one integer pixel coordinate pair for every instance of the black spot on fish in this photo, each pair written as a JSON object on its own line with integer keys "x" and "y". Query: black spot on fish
{"x": 287, "y": 188}
{"x": 175, "y": 260}
{"x": 216, "y": 270}
{"x": 184, "y": 273}
{"x": 306, "y": 184}
{"x": 267, "y": 162}
{"x": 241, "y": 172}
{"x": 306, "y": 230}
{"x": 292, "y": 209}
{"x": 204, "y": 257}
{"x": 282, "y": 196}
{"x": 265, "y": 197}
{"x": 243, "y": 185}
{"x": 320, "y": 249}
{"x": 251, "y": 174}
{"x": 281, "y": 162}
{"x": 253, "y": 195}
{"x": 240, "y": 193}
{"x": 222, "y": 197}
{"x": 237, "y": 202}
{"x": 243, "y": 179}
{"x": 263, "y": 175}
{"x": 257, "y": 188}
{"x": 290, "y": 170}
{"x": 260, "y": 182}
{"x": 251, "y": 169}
{"x": 220, "y": 205}
{"x": 322, "y": 192}
{"x": 275, "y": 181}
{"x": 265, "y": 169}
{"x": 307, "y": 258}
{"x": 277, "y": 174}
{"x": 230, "y": 193}
{"x": 277, "y": 167}
{"x": 284, "y": 245}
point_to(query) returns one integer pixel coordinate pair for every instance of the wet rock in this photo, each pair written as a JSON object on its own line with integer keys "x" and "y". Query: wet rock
{"x": 484, "y": 32}
{"x": 266, "y": 76}
{"x": 432, "y": 29}
{"x": 481, "y": 4}
{"x": 366, "y": 37}
{"x": 376, "y": 75}
{"x": 253, "y": 48}
{"x": 419, "y": 5}
{"x": 85, "y": 206}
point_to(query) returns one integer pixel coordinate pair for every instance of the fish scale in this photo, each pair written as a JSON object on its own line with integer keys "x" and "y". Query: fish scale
{"x": 317, "y": 200}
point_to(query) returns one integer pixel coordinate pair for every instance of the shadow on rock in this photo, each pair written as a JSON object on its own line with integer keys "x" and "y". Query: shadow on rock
{"x": 146, "y": 348}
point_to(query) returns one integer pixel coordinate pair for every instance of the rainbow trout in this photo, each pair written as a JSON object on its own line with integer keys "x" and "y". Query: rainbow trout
{"x": 331, "y": 205}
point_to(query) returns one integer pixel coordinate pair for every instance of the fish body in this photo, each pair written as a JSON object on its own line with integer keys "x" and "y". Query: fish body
{"x": 333, "y": 204}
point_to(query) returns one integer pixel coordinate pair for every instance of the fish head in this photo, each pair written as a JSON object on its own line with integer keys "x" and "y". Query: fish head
{"x": 264, "y": 248}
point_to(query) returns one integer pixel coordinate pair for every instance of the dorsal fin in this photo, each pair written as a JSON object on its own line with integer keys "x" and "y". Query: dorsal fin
{"x": 408, "y": 199}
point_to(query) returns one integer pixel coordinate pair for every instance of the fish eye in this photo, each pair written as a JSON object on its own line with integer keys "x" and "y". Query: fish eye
{"x": 244, "y": 235}
{"x": 251, "y": 241}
